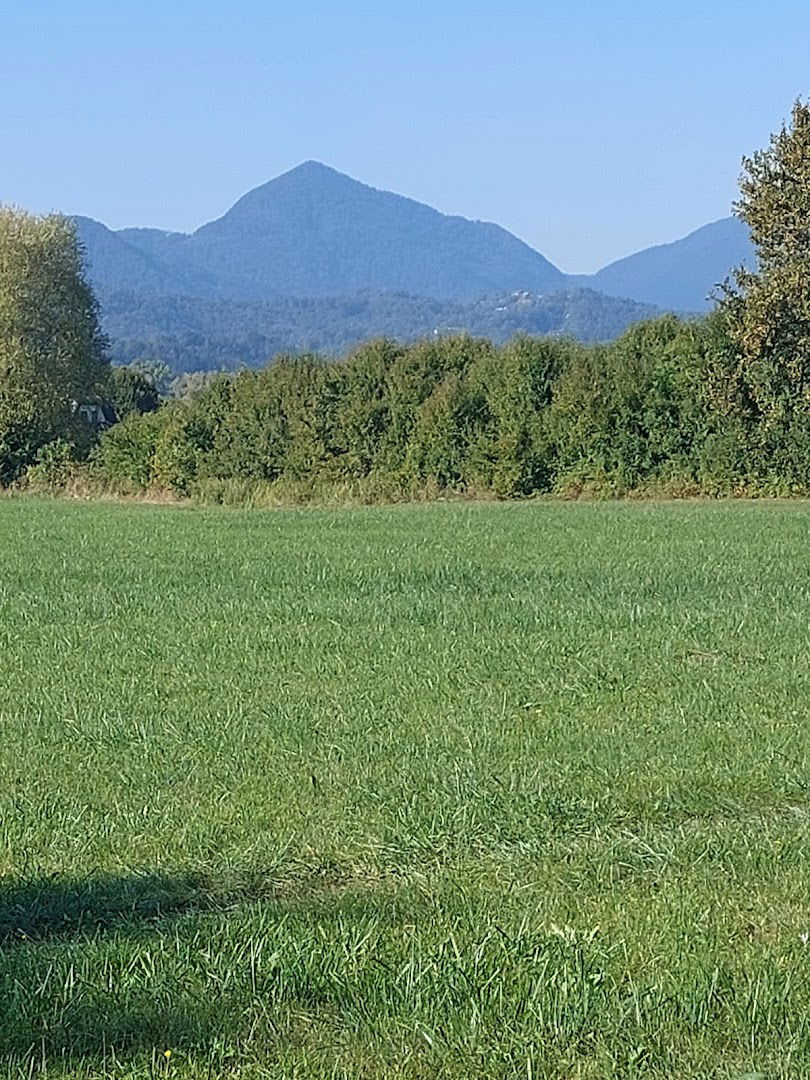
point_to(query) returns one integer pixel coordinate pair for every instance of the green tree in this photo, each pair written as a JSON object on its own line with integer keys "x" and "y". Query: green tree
{"x": 155, "y": 371}
{"x": 129, "y": 391}
{"x": 190, "y": 384}
{"x": 768, "y": 311}
{"x": 634, "y": 412}
{"x": 518, "y": 382}
{"x": 52, "y": 352}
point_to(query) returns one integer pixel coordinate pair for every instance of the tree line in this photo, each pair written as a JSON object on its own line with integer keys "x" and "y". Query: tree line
{"x": 658, "y": 410}
{"x": 204, "y": 334}
{"x": 716, "y": 406}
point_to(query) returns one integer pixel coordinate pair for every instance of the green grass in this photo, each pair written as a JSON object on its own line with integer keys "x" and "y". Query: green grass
{"x": 457, "y": 791}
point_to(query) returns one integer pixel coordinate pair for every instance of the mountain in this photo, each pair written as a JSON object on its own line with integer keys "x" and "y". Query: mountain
{"x": 315, "y": 232}
{"x": 114, "y": 262}
{"x": 679, "y": 276}
{"x": 316, "y": 260}
{"x": 196, "y": 334}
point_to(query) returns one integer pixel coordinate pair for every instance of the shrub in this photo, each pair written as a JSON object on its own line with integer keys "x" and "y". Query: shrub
{"x": 54, "y": 468}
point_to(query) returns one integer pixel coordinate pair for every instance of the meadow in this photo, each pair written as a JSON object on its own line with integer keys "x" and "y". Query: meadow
{"x": 458, "y": 790}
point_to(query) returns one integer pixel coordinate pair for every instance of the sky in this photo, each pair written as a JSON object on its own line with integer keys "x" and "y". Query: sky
{"x": 589, "y": 129}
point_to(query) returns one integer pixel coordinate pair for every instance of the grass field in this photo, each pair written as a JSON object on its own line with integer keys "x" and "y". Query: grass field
{"x": 450, "y": 791}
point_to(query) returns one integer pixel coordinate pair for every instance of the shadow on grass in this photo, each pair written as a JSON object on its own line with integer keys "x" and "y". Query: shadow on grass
{"x": 32, "y": 910}
{"x": 111, "y": 967}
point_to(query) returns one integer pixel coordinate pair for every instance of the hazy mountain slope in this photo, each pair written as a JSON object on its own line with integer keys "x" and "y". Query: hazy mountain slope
{"x": 113, "y": 262}
{"x": 197, "y": 334}
{"x": 315, "y": 232}
{"x": 679, "y": 276}
{"x": 156, "y": 242}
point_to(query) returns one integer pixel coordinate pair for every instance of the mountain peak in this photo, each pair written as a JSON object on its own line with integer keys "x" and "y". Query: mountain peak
{"x": 310, "y": 170}
{"x": 314, "y": 231}
{"x": 681, "y": 275}
{"x": 304, "y": 184}
{"x": 307, "y": 174}
{"x": 313, "y": 167}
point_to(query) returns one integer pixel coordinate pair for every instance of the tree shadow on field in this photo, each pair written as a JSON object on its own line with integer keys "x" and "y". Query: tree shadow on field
{"x": 108, "y": 968}
{"x": 56, "y": 906}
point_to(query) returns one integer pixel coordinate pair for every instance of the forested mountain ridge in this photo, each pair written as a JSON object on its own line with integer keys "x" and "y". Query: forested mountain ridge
{"x": 192, "y": 333}
{"x": 682, "y": 275}
{"x": 315, "y": 232}
{"x": 113, "y": 261}
{"x": 316, "y": 260}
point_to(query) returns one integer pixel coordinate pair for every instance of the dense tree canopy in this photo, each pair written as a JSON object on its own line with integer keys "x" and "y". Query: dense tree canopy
{"x": 194, "y": 334}
{"x": 769, "y": 311}
{"x": 52, "y": 353}
{"x": 131, "y": 391}
{"x": 455, "y": 413}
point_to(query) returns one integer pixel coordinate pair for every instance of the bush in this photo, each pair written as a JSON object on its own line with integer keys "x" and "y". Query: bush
{"x": 634, "y": 411}
{"x": 125, "y": 457}
{"x": 658, "y": 411}
{"x": 54, "y": 468}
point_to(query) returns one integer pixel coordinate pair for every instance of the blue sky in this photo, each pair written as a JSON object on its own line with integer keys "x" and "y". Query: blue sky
{"x": 588, "y": 129}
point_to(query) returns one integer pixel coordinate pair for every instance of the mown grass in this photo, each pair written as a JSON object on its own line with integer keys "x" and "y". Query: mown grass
{"x": 461, "y": 790}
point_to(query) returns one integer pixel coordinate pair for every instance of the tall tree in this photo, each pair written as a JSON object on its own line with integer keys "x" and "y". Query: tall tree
{"x": 769, "y": 310}
{"x": 52, "y": 352}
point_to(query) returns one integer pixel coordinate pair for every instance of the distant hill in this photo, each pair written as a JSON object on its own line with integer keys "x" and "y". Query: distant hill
{"x": 679, "y": 276}
{"x": 114, "y": 262}
{"x": 316, "y": 260}
{"x": 196, "y": 334}
{"x": 315, "y": 232}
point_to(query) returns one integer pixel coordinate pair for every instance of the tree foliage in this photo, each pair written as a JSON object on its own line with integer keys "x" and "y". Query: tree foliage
{"x": 52, "y": 353}
{"x": 456, "y": 414}
{"x": 768, "y": 311}
{"x": 129, "y": 391}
